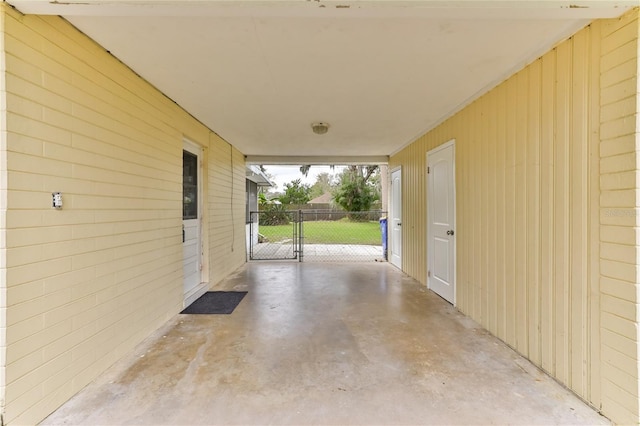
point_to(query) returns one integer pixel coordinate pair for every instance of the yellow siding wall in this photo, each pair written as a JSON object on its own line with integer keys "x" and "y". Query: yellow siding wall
{"x": 227, "y": 206}
{"x": 87, "y": 283}
{"x": 532, "y": 208}
{"x": 619, "y": 183}
{"x": 3, "y": 211}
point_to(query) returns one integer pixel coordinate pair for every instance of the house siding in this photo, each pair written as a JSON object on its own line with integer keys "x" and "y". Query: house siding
{"x": 3, "y": 217}
{"x": 619, "y": 183}
{"x": 85, "y": 284}
{"x": 546, "y": 191}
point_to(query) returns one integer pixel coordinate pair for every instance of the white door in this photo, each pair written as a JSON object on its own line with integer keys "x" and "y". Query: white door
{"x": 191, "y": 207}
{"x": 395, "y": 240}
{"x": 441, "y": 243}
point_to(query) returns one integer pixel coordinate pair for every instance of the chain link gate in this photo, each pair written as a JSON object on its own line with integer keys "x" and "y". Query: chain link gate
{"x": 282, "y": 241}
{"x": 318, "y": 235}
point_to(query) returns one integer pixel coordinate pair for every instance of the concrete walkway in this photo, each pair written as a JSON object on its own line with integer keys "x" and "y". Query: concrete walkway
{"x": 325, "y": 344}
{"x": 342, "y": 253}
{"x": 320, "y": 252}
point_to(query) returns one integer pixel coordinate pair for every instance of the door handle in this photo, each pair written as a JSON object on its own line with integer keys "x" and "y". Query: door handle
{"x": 450, "y": 232}
{"x": 183, "y": 234}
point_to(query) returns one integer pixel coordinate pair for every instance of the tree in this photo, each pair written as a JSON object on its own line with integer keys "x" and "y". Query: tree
{"x": 295, "y": 192}
{"x": 304, "y": 169}
{"x": 324, "y": 184}
{"x": 356, "y": 191}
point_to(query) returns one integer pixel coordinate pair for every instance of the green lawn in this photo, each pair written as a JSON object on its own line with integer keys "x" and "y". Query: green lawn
{"x": 328, "y": 232}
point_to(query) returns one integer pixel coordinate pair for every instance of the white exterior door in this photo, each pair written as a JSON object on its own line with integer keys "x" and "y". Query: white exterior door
{"x": 441, "y": 244}
{"x": 395, "y": 240}
{"x": 191, "y": 208}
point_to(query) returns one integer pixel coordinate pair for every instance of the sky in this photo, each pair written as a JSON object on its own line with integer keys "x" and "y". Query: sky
{"x": 285, "y": 174}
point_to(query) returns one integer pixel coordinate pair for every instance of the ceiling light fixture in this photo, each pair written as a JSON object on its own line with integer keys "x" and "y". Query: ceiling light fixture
{"x": 320, "y": 128}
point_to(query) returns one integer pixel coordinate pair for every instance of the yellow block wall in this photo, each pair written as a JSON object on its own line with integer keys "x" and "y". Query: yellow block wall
{"x": 532, "y": 209}
{"x": 85, "y": 284}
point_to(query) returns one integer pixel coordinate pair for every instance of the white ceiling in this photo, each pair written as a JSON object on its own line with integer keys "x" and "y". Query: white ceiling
{"x": 380, "y": 72}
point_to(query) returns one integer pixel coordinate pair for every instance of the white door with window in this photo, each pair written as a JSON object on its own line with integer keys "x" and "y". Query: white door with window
{"x": 395, "y": 225}
{"x": 441, "y": 243}
{"x": 191, "y": 208}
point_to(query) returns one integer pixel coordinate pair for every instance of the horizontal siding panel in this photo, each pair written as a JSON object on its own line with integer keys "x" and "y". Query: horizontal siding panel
{"x": 622, "y": 180}
{"x": 24, "y": 126}
{"x": 619, "y": 216}
{"x": 622, "y": 145}
{"x": 81, "y": 89}
{"x": 624, "y": 416}
{"x": 619, "y": 270}
{"x": 31, "y": 90}
{"x": 620, "y": 198}
{"x": 620, "y": 55}
{"x": 619, "y": 234}
{"x": 28, "y": 342}
{"x": 622, "y": 308}
{"x": 620, "y": 127}
{"x": 621, "y": 326}
{"x": 616, "y": 368}
{"x": 619, "y": 163}
{"x": 613, "y": 81}
{"x": 622, "y": 253}
{"x": 622, "y": 396}
{"x": 623, "y": 34}
{"x": 618, "y": 288}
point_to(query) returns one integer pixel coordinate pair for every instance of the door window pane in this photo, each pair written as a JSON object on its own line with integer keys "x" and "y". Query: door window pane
{"x": 189, "y": 185}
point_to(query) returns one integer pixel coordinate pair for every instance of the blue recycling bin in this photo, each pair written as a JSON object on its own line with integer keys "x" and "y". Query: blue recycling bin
{"x": 383, "y": 230}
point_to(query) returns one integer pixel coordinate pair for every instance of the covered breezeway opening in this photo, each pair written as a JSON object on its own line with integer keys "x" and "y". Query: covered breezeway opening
{"x": 318, "y": 235}
{"x": 342, "y": 217}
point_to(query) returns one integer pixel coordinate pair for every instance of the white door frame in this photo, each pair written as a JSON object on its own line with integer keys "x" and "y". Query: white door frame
{"x": 391, "y": 224}
{"x": 200, "y": 288}
{"x": 446, "y": 145}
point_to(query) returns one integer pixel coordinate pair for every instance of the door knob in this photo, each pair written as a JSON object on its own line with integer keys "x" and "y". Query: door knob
{"x": 450, "y": 232}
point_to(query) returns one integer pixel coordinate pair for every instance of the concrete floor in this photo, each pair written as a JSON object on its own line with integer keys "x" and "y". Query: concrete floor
{"x": 325, "y": 344}
{"x": 319, "y": 252}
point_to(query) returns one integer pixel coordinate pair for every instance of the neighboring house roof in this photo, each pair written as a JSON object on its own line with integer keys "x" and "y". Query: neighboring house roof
{"x": 254, "y": 174}
{"x": 325, "y": 198}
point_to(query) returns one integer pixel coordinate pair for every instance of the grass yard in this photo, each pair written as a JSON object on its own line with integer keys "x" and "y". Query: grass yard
{"x": 328, "y": 232}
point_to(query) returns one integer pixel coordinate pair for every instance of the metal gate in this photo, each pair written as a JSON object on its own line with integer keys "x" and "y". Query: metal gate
{"x": 281, "y": 242}
{"x": 318, "y": 236}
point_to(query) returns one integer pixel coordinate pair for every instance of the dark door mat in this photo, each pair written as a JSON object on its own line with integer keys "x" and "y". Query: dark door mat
{"x": 215, "y": 302}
